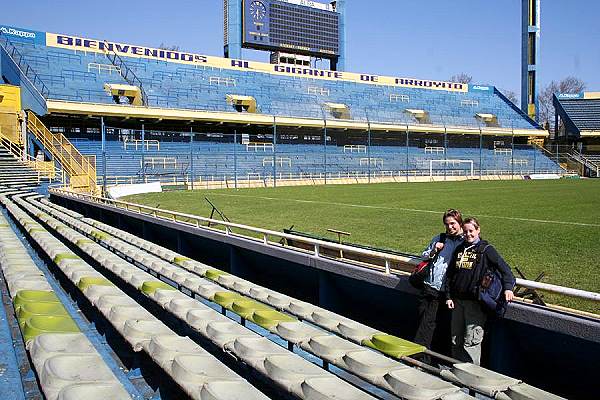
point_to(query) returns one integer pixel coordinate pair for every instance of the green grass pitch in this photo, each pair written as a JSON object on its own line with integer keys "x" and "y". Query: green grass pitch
{"x": 539, "y": 226}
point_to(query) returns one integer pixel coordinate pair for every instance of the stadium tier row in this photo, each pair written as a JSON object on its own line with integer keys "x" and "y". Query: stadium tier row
{"x": 73, "y": 72}
{"x": 259, "y": 160}
{"x": 171, "y": 309}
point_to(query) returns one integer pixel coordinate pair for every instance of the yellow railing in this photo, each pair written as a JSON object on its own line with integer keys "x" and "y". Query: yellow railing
{"x": 80, "y": 169}
{"x": 45, "y": 169}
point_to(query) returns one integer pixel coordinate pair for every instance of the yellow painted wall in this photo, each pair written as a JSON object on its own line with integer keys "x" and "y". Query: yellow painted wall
{"x": 10, "y": 98}
{"x": 10, "y": 107}
{"x": 591, "y": 95}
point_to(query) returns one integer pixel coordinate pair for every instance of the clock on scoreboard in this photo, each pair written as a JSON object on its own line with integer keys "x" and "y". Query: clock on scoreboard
{"x": 302, "y": 26}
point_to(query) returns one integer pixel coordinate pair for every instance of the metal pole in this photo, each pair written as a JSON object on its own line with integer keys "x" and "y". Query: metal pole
{"x": 274, "y": 152}
{"x": 512, "y": 156}
{"x": 480, "y": 153}
{"x": 143, "y": 155}
{"x": 192, "y": 157}
{"x": 445, "y": 151}
{"x": 325, "y": 148}
{"x": 534, "y": 157}
{"x": 369, "y": 149}
{"x": 407, "y": 153}
{"x": 103, "y": 130}
{"x": 235, "y": 177}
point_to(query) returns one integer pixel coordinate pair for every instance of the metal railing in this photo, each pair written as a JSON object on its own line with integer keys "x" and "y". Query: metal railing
{"x": 28, "y": 72}
{"x": 46, "y": 170}
{"x": 81, "y": 169}
{"x": 317, "y": 246}
{"x": 585, "y": 161}
{"x": 127, "y": 73}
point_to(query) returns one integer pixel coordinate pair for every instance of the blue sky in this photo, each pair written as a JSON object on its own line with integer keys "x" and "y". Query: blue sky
{"x": 430, "y": 40}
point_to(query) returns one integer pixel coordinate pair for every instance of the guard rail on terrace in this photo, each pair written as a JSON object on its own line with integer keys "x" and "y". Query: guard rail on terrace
{"x": 318, "y": 248}
{"x": 18, "y": 59}
{"x": 127, "y": 73}
{"x": 80, "y": 169}
{"x": 44, "y": 169}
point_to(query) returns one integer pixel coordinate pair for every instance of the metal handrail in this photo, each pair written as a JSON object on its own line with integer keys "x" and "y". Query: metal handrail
{"x": 198, "y": 220}
{"x": 72, "y": 161}
{"x": 42, "y": 168}
{"x": 25, "y": 68}
{"x": 317, "y": 244}
{"x": 127, "y": 73}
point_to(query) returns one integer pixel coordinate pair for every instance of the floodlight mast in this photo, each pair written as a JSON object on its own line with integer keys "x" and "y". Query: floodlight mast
{"x": 530, "y": 56}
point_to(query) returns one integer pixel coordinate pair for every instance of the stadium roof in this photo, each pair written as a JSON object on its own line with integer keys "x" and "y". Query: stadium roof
{"x": 579, "y": 112}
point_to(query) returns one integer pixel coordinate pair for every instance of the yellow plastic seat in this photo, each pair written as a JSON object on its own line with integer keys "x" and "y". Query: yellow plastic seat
{"x": 393, "y": 346}
{"x": 226, "y": 299}
{"x": 245, "y": 307}
{"x": 65, "y": 256}
{"x": 38, "y": 325}
{"x": 88, "y": 281}
{"x": 213, "y": 274}
{"x": 180, "y": 259}
{"x": 269, "y": 318}
{"x": 100, "y": 235}
{"x": 34, "y": 296}
{"x": 149, "y": 287}
{"x": 32, "y": 309}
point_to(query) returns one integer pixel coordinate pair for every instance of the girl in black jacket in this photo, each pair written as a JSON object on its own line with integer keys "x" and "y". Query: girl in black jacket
{"x": 471, "y": 261}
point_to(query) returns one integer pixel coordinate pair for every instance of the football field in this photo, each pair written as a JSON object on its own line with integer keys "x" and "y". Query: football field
{"x": 538, "y": 226}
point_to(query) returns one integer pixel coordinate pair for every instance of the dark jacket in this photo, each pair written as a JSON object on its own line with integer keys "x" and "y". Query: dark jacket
{"x": 469, "y": 264}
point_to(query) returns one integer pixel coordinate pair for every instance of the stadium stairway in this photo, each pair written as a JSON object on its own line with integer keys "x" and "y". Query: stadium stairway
{"x": 339, "y": 341}
{"x": 15, "y": 173}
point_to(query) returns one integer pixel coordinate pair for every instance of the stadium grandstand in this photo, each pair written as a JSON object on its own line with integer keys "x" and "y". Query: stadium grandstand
{"x": 101, "y": 303}
{"x": 258, "y": 122}
{"x": 578, "y": 121}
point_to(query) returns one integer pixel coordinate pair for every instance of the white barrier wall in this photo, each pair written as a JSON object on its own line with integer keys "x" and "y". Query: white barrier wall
{"x": 125, "y": 190}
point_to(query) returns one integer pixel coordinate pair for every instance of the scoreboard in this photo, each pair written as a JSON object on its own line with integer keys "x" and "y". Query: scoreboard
{"x": 298, "y": 26}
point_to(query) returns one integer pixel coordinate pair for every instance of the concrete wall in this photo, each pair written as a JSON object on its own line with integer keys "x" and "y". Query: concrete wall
{"x": 552, "y": 350}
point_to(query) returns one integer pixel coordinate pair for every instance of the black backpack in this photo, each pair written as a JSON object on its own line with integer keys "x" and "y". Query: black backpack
{"x": 490, "y": 291}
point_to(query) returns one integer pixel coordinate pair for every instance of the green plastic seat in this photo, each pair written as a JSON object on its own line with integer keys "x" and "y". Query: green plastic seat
{"x": 180, "y": 259}
{"x": 226, "y": 299}
{"x": 245, "y": 307}
{"x": 83, "y": 241}
{"x": 269, "y": 318}
{"x": 65, "y": 256}
{"x": 393, "y": 346}
{"x": 87, "y": 281}
{"x": 38, "y": 325}
{"x": 213, "y": 274}
{"x": 34, "y": 296}
{"x": 100, "y": 235}
{"x": 32, "y": 309}
{"x": 149, "y": 287}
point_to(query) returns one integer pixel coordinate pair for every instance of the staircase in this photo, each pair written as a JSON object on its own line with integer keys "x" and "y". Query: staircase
{"x": 16, "y": 173}
{"x": 590, "y": 164}
{"x": 80, "y": 169}
{"x": 14, "y": 54}
{"x": 127, "y": 74}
